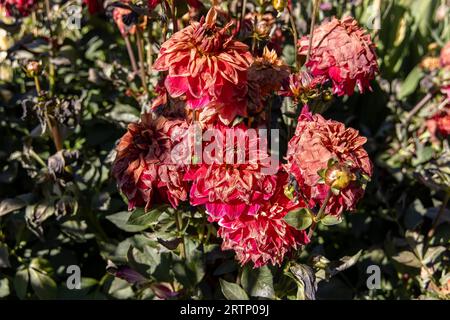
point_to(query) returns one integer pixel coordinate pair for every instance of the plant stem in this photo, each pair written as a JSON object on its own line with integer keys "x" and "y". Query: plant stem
{"x": 130, "y": 53}
{"x": 57, "y": 139}
{"x": 179, "y": 224}
{"x": 140, "y": 45}
{"x": 174, "y": 17}
{"x": 243, "y": 7}
{"x": 439, "y": 215}
{"x": 320, "y": 213}
{"x": 37, "y": 85}
{"x": 295, "y": 35}
{"x": 51, "y": 66}
{"x": 311, "y": 29}
{"x": 418, "y": 106}
{"x": 150, "y": 47}
{"x": 36, "y": 157}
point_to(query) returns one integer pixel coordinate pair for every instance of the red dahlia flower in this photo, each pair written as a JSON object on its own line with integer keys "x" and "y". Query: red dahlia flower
{"x": 445, "y": 55}
{"x": 263, "y": 237}
{"x": 316, "y": 142}
{"x": 144, "y": 166}
{"x": 18, "y": 7}
{"x": 94, "y": 6}
{"x": 440, "y": 123}
{"x": 342, "y": 52}
{"x": 206, "y": 65}
{"x": 231, "y": 180}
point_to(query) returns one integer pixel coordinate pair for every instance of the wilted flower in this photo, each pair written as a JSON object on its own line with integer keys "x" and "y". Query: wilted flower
{"x": 126, "y": 20}
{"x": 263, "y": 237}
{"x": 316, "y": 143}
{"x": 144, "y": 167}
{"x": 206, "y": 65}
{"x": 279, "y": 5}
{"x": 167, "y": 106}
{"x": 302, "y": 87}
{"x": 18, "y": 7}
{"x": 430, "y": 63}
{"x": 257, "y": 25}
{"x": 445, "y": 55}
{"x": 231, "y": 179}
{"x": 265, "y": 77}
{"x": 342, "y": 52}
{"x": 33, "y": 68}
{"x": 439, "y": 123}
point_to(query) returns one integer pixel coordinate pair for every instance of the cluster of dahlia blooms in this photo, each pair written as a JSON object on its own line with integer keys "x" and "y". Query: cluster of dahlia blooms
{"x": 18, "y": 7}
{"x": 213, "y": 85}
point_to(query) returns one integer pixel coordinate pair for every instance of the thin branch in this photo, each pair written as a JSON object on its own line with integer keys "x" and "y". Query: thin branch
{"x": 295, "y": 35}
{"x": 131, "y": 54}
{"x": 311, "y": 29}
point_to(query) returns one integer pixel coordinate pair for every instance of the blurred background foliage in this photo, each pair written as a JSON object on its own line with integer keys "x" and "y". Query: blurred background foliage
{"x": 51, "y": 218}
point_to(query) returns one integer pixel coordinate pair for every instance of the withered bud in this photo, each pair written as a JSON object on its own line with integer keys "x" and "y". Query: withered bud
{"x": 33, "y": 68}
{"x": 339, "y": 176}
{"x": 279, "y": 5}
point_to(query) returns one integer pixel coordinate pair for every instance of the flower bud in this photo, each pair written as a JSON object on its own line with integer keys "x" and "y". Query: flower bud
{"x": 289, "y": 191}
{"x": 338, "y": 176}
{"x": 33, "y": 68}
{"x": 279, "y": 5}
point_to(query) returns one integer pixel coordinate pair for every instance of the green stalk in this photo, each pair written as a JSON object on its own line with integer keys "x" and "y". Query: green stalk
{"x": 140, "y": 45}
{"x": 51, "y": 66}
{"x": 320, "y": 214}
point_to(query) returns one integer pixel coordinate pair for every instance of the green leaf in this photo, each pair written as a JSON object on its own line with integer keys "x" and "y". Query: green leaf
{"x": 226, "y": 267}
{"x": 433, "y": 254}
{"x": 21, "y": 280}
{"x": 10, "y": 205}
{"x": 120, "y": 220}
{"x": 4, "y": 256}
{"x": 41, "y": 282}
{"x": 232, "y": 291}
{"x": 258, "y": 282}
{"x": 299, "y": 219}
{"x": 140, "y": 217}
{"x": 330, "y": 220}
{"x": 407, "y": 258}
{"x": 344, "y": 263}
{"x": 423, "y": 154}
{"x": 4, "y": 288}
{"x": 411, "y": 82}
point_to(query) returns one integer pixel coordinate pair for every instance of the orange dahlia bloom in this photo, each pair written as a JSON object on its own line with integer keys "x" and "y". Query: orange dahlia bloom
{"x": 342, "y": 52}
{"x": 445, "y": 55}
{"x": 316, "y": 142}
{"x": 206, "y": 65}
{"x": 144, "y": 167}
